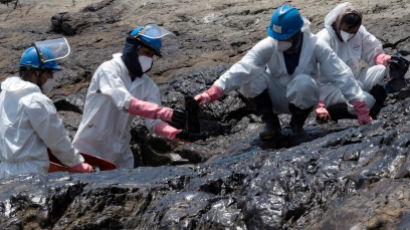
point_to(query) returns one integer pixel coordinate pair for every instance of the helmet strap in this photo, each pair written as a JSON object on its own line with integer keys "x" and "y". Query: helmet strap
{"x": 40, "y": 58}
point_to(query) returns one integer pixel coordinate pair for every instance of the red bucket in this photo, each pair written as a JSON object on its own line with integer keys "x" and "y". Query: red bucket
{"x": 98, "y": 163}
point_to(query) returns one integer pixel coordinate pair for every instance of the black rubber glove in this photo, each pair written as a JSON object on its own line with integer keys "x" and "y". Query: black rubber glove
{"x": 179, "y": 119}
{"x": 184, "y": 135}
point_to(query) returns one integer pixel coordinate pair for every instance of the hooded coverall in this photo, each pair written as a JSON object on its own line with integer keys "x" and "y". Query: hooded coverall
{"x": 105, "y": 127}
{"x": 28, "y": 126}
{"x": 363, "y": 46}
{"x": 264, "y": 67}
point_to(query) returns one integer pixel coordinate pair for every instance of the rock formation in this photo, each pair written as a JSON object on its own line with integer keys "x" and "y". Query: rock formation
{"x": 341, "y": 176}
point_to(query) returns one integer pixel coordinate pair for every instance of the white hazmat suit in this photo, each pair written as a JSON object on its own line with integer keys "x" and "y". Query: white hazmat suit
{"x": 29, "y": 125}
{"x": 363, "y": 46}
{"x": 104, "y": 129}
{"x": 264, "y": 67}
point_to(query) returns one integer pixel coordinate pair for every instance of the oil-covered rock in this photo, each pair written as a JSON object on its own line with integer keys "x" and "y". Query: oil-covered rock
{"x": 339, "y": 176}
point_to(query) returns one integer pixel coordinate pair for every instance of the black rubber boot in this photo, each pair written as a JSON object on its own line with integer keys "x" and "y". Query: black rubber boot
{"x": 271, "y": 120}
{"x": 380, "y": 94}
{"x": 339, "y": 111}
{"x": 272, "y": 127}
{"x": 298, "y": 119}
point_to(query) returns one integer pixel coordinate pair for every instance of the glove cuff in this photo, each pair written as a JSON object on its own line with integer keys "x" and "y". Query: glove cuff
{"x": 358, "y": 104}
{"x": 321, "y": 104}
{"x": 149, "y": 110}
{"x": 214, "y": 92}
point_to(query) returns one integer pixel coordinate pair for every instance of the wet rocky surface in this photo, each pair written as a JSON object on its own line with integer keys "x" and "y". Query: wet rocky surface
{"x": 338, "y": 176}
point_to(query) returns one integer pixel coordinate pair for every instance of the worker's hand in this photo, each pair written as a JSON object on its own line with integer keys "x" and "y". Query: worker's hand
{"x": 82, "y": 168}
{"x": 210, "y": 95}
{"x": 321, "y": 112}
{"x": 362, "y": 112}
{"x": 163, "y": 129}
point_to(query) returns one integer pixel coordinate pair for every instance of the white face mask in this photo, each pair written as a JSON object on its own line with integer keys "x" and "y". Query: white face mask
{"x": 145, "y": 62}
{"x": 346, "y": 36}
{"x": 284, "y": 45}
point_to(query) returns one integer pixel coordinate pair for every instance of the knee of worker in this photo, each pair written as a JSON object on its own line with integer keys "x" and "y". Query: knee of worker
{"x": 369, "y": 100}
{"x": 331, "y": 95}
{"x": 380, "y": 72}
{"x": 372, "y": 76}
{"x": 303, "y": 91}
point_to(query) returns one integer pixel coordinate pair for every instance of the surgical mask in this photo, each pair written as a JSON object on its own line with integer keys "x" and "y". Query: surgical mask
{"x": 145, "y": 62}
{"x": 346, "y": 36}
{"x": 284, "y": 45}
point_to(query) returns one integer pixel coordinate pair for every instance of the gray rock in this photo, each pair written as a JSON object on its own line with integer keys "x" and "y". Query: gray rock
{"x": 340, "y": 176}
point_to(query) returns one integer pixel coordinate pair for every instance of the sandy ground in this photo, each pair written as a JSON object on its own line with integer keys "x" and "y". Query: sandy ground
{"x": 211, "y": 32}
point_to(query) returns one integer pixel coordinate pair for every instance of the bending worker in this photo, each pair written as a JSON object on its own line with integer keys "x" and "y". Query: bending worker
{"x": 280, "y": 71}
{"x": 346, "y": 35}
{"x": 120, "y": 89}
{"x": 28, "y": 119}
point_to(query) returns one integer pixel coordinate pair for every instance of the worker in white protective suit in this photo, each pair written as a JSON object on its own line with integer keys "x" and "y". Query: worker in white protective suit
{"x": 280, "y": 71}
{"x": 28, "y": 119}
{"x": 346, "y": 35}
{"x": 120, "y": 89}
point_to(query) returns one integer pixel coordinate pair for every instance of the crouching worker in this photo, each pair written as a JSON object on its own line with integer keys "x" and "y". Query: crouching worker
{"x": 121, "y": 89}
{"x": 346, "y": 35}
{"x": 28, "y": 119}
{"x": 281, "y": 71}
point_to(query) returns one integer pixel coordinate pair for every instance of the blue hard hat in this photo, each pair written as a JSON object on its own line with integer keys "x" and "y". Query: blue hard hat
{"x": 147, "y": 39}
{"x": 286, "y": 22}
{"x": 31, "y": 59}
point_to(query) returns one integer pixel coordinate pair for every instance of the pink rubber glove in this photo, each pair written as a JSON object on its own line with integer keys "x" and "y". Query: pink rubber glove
{"x": 82, "y": 168}
{"x": 321, "y": 112}
{"x": 362, "y": 112}
{"x": 382, "y": 59}
{"x": 210, "y": 95}
{"x": 149, "y": 110}
{"x": 163, "y": 129}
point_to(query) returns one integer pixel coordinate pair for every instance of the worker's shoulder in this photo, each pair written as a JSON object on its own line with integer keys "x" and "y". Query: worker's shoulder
{"x": 266, "y": 43}
{"x": 114, "y": 65}
{"x": 322, "y": 45}
{"x": 38, "y": 101}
